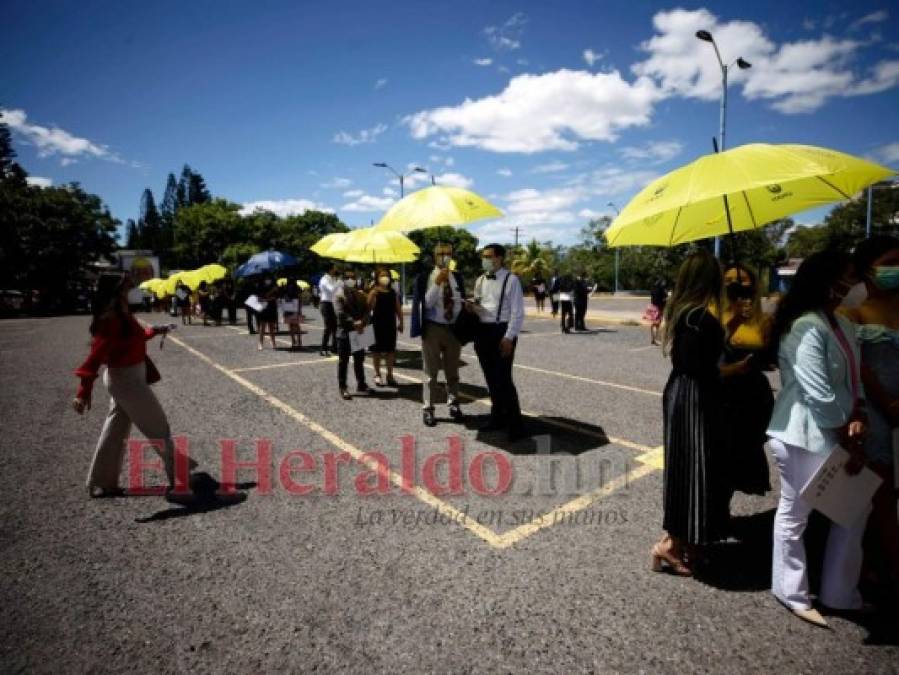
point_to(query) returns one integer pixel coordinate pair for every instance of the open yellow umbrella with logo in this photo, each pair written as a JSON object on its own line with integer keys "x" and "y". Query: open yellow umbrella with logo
{"x": 740, "y": 189}
{"x": 437, "y": 206}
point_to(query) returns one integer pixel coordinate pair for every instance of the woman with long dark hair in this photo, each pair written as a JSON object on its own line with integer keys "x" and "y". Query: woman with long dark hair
{"x": 877, "y": 265}
{"x": 119, "y": 342}
{"x": 821, "y": 406}
{"x": 695, "y": 513}
{"x": 387, "y": 321}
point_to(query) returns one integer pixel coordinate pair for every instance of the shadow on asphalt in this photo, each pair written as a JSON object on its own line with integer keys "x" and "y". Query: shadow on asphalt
{"x": 208, "y": 495}
{"x": 743, "y": 563}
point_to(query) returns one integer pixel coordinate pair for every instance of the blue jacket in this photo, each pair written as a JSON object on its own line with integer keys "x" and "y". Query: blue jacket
{"x": 816, "y": 394}
{"x": 416, "y": 321}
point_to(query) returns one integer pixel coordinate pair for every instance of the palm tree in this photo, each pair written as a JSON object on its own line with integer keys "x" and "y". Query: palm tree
{"x": 528, "y": 260}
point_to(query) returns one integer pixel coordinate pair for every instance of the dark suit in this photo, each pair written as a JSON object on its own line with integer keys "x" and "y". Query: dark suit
{"x": 553, "y": 287}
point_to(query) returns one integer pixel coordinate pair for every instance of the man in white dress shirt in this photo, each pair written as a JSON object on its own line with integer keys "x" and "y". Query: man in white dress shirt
{"x": 499, "y": 303}
{"x": 436, "y": 304}
{"x": 327, "y": 287}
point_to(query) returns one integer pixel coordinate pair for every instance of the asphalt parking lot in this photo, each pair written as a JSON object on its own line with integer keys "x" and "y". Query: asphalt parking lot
{"x": 411, "y": 549}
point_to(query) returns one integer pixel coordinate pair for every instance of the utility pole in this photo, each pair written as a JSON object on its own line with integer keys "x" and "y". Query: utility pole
{"x": 516, "y": 231}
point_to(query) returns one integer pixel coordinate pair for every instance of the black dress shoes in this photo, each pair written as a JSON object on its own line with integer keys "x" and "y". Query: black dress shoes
{"x": 427, "y": 416}
{"x": 455, "y": 412}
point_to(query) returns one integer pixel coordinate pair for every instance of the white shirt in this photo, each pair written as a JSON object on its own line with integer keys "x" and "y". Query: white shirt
{"x": 487, "y": 292}
{"x": 327, "y": 287}
{"x": 434, "y": 299}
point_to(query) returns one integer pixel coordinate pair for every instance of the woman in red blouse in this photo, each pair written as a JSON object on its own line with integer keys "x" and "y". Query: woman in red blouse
{"x": 119, "y": 342}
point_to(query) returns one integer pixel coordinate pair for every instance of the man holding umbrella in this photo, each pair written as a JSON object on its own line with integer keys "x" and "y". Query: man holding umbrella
{"x": 436, "y": 303}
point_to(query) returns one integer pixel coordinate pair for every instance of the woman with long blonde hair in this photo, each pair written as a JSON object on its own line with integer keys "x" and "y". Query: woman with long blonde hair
{"x": 694, "y": 508}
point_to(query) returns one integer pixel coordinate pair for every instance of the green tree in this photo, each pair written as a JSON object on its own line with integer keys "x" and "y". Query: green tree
{"x": 531, "y": 259}
{"x": 132, "y": 238}
{"x": 203, "y": 232}
{"x": 149, "y": 224}
{"x": 197, "y": 192}
{"x": 465, "y": 251}
{"x": 167, "y": 209}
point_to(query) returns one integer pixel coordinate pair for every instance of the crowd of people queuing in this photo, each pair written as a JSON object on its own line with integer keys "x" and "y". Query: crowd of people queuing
{"x": 838, "y": 366}
{"x": 839, "y": 375}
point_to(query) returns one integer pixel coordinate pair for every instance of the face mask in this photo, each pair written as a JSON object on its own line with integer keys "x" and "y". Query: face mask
{"x": 487, "y": 264}
{"x": 384, "y": 281}
{"x": 444, "y": 260}
{"x": 349, "y": 283}
{"x": 886, "y": 277}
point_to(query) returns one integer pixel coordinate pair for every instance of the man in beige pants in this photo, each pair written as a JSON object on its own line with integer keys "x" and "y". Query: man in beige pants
{"x": 436, "y": 304}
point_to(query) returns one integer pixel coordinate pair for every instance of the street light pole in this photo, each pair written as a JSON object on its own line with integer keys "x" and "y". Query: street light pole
{"x": 741, "y": 63}
{"x": 617, "y": 250}
{"x": 402, "y": 178}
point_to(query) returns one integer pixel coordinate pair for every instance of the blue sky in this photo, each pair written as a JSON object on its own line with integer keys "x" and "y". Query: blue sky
{"x": 550, "y": 109}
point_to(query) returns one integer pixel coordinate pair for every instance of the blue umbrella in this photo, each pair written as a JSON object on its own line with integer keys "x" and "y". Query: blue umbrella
{"x": 267, "y": 261}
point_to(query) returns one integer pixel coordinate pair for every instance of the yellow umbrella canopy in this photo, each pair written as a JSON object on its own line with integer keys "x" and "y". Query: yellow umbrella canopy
{"x": 740, "y": 189}
{"x": 188, "y": 278}
{"x": 329, "y": 242}
{"x": 211, "y": 273}
{"x": 368, "y": 245}
{"x": 436, "y": 206}
{"x": 151, "y": 284}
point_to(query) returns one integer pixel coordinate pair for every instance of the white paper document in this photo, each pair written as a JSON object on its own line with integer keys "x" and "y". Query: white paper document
{"x": 836, "y": 494}
{"x": 253, "y": 303}
{"x": 363, "y": 340}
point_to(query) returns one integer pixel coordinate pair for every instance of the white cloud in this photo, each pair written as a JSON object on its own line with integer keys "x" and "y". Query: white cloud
{"x": 551, "y": 167}
{"x": 888, "y": 153}
{"x": 483, "y": 62}
{"x": 796, "y": 77}
{"x": 590, "y": 214}
{"x": 380, "y": 83}
{"x": 66, "y": 161}
{"x": 504, "y": 172}
{"x": 652, "y": 152}
{"x": 591, "y": 57}
{"x": 526, "y": 116}
{"x": 507, "y": 37}
{"x": 454, "y": 180}
{"x": 284, "y": 207}
{"x": 337, "y": 183}
{"x": 873, "y": 17}
{"x": 368, "y": 204}
{"x": 38, "y": 181}
{"x": 352, "y": 194}
{"x": 389, "y": 192}
{"x": 55, "y": 141}
{"x": 364, "y": 136}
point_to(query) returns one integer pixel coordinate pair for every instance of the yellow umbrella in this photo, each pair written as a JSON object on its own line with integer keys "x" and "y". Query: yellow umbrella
{"x": 740, "y": 189}
{"x": 436, "y": 206}
{"x": 394, "y": 275}
{"x": 188, "y": 278}
{"x": 211, "y": 273}
{"x": 151, "y": 284}
{"x": 368, "y": 245}
{"x": 329, "y": 242}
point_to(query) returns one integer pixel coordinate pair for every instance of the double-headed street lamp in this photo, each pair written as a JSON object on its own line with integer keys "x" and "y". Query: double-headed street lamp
{"x": 402, "y": 177}
{"x": 742, "y": 64}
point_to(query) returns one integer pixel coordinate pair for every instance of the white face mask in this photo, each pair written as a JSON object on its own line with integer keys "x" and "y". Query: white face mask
{"x": 487, "y": 264}
{"x": 384, "y": 281}
{"x": 349, "y": 283}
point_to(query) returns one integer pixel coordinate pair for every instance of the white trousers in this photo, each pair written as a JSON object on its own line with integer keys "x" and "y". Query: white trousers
{"x": 131, "y": 401}
{"x": 843, "y": 554}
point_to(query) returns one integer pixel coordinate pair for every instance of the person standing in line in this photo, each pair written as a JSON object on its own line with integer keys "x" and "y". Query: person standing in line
{"x": 582, "y": 291}
{"x": 182, "y": 296}
{"x": 387, "y": 321}
{"x": 436, "y": 303}
{"x": 695, "y": 511}
{"x": 268, "y": 317}
{"x": 204, "y": 301}
{"x": 554, "y": 291}
{"x": 539, "y": 286}
{"x": 251, "y": 288}
{"x": 119, "y": 343}
{"x": 328, "y": 285}
{"x": 566, "y": 298}
{"x": 821, "y": 406}
{"x": 877, "y": 320}
{"x": 230, "y": 297}
{"x": 658, "y": 297}
{"x": 351, "y": 306}
{"x": 291, "y": 295}
{"x": 499, "y": 303}
{"x": 748, "y": 399}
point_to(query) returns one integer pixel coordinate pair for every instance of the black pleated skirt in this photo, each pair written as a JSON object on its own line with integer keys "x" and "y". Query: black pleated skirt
{"x": 695, "y": 484}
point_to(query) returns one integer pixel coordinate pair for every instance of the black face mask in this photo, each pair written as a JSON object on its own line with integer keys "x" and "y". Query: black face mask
{"x": 737, "y": 291}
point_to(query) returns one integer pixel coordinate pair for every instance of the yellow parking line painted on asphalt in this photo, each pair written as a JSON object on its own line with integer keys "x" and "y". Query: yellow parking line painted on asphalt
{"x": 442, "y": 507}
{"x": 558, "y": 514}
{"x": 284, "y": 365}
{"x": 654, "y": 458}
